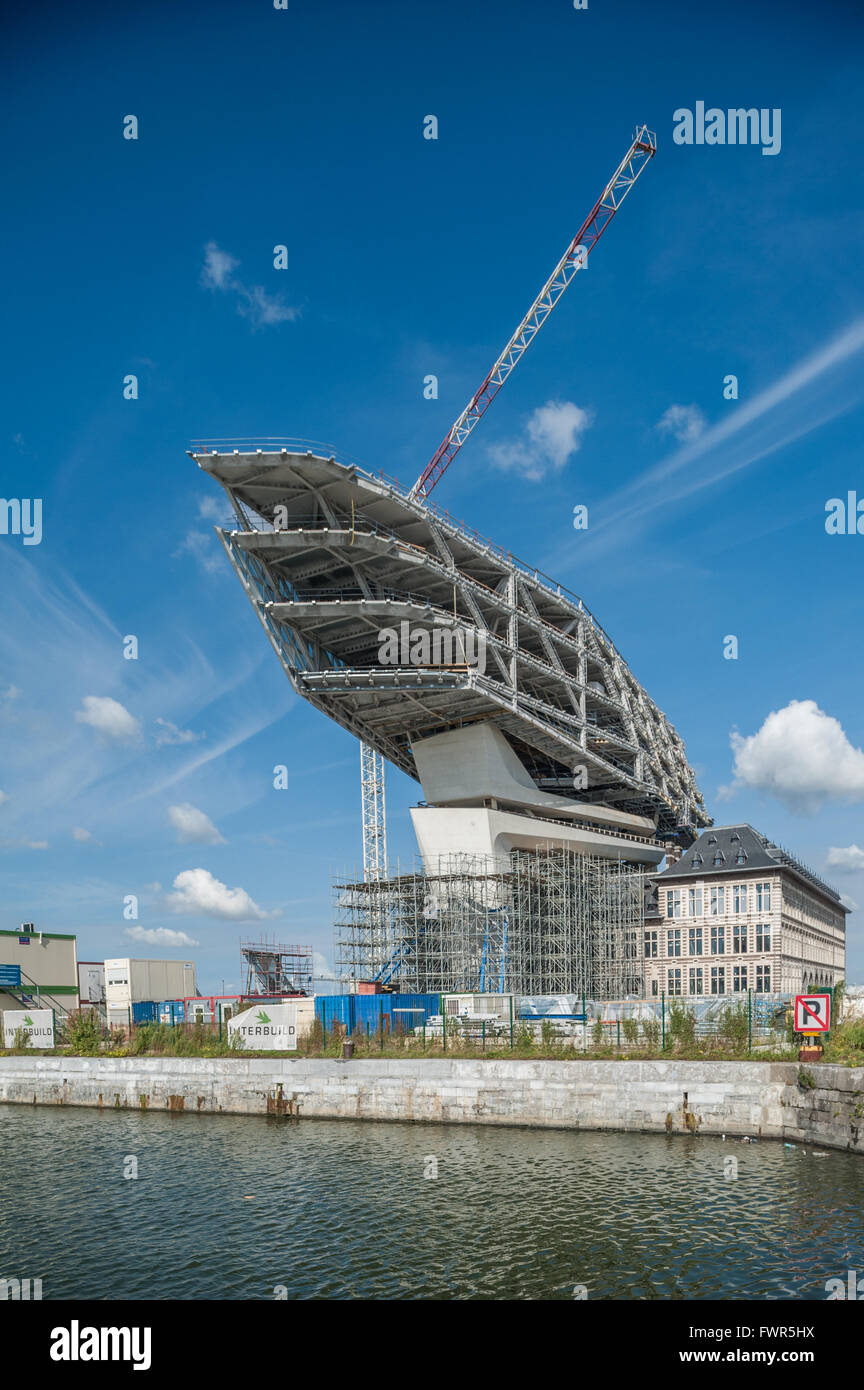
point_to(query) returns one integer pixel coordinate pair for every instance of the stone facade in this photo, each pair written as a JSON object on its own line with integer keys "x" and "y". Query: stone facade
{"x": 753, "y": 921}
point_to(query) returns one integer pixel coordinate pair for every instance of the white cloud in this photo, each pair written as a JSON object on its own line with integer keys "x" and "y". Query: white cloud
{"x": 205, "y": 550}
{"x": 192, "y": 826}
{"x": 552, "y": 434}
{"x": 684, "y": 422}
{"x": 252, "y": 301}
{"x": 10, "y": 693}
{"x": 170, "y": 734}
{"x": 801, "y": 756}
{"x": 109, "y": 717}
{"x": 161, "y": 936}
{"x": 4, "y": 796}
{"x": 849, "y": 858}
{"x": 81, "y": 835}
{"x": 218, "y": 267}
{"x": 197, "y": 891}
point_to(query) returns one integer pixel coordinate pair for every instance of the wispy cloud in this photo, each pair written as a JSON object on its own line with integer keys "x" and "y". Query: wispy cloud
{"x": 801, "y": 401}
{"x": 251, "y": 301}
{"x": 160, "y": 936}
{"x": 169, "y": 735}
{"x": 684, "y": 422}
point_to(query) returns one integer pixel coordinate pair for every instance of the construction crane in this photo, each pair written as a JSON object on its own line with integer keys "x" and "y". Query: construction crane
{"x": 643, "y": 147}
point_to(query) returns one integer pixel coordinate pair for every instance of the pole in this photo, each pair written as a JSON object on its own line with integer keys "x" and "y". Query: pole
{"x": 749, "y": 1020}
{"x": 663, "y": 1020}
{"x": 511, "y": 1022}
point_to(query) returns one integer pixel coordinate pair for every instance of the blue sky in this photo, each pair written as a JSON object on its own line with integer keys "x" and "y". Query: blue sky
{"x": 260, "y": 127}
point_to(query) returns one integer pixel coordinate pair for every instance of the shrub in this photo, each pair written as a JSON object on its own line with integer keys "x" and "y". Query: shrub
{"x": 651, "y": 1031}
{"x": 630, "y": 1029}
{"x": 84, "y": 1032}
{"x": 733, "y": 1029}
{"x": 682, "y": 1025}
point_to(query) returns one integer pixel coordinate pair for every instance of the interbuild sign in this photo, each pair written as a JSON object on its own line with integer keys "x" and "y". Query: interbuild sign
{"x": 38, "y": 1024}
{"x": 266, "y": 1028}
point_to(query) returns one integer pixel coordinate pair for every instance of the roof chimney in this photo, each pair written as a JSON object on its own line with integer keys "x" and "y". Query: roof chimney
{"x": 673, "y": 852}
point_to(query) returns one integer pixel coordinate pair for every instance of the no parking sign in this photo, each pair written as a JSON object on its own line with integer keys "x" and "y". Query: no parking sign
{"x": 812, "y": 1013}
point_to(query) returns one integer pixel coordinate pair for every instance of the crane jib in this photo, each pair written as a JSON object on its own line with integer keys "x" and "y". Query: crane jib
{"x": 642, "y": 148}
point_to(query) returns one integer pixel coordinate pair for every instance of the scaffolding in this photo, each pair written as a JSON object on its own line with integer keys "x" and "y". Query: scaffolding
{"x": 271, "y": 967}
{"x": 535, "y": 922}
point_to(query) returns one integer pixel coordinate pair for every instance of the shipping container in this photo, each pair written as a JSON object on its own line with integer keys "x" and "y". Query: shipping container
{"x": 373, "y": 1013}
{"x": 129, "y": 980}
{"x": 145, "y": 1011}
{"x": 172, "y": 1011}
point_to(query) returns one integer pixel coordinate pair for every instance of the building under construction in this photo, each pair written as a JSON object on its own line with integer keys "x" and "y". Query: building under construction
{"x": 536, "y": 922}
{"x": 550, "y": 779}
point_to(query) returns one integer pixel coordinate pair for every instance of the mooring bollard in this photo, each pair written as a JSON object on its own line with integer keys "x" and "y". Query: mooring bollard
{"x": 348, "y": 1049}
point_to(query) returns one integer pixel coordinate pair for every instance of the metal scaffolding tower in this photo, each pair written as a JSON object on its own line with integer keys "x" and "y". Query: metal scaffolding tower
{"x": 546, "y": 922}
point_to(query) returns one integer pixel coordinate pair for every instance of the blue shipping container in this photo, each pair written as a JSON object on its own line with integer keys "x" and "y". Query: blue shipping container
{"x": 145, "y": 1011}
{"x": 172, "y": 1011}
{"x": 372, "y": 1013}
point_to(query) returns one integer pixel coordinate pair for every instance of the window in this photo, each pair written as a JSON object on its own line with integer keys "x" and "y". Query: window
{"x": 673, "y": 902}
{"x": 673, "y": 981}
{"x": 740, "y": 857}
{"x": 673, "y": 942}
{"x": 763, "y": 897}
{"x": 718, "y": 902}
{"x": 697, "y": 860}
{"x": 695, "y": 941}
{"x": 718, "y": 979}
{"x": 739, "y": 897}
{"x": 694, "y": 902}
{"x": 654, "y": 987}
{"x": 739, "y": 979}
{"x": 696, "y": 980}
{"x": 763, "y": 979}
{"x": 763, "y": 937}
{"x": 718, "y": 941}
{"x": 650, "y": 944}
{"x": 719, "y": 859}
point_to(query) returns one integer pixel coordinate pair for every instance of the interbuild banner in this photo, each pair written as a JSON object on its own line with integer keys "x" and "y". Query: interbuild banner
{"x": 38, "y": 1024}
{"x": 266, "y": 1028}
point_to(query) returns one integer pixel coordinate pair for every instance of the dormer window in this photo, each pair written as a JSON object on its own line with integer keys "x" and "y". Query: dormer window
{"x": 741, "y": 857}
{"x": 696, "y": 861}
{"x": 712, "y": 839}
{"x": 719, "y": 858}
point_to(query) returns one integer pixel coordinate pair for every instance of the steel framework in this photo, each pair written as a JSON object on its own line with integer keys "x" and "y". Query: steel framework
{"x": 575, "y": 258}
{"x": 374, "y": 813}
{"x": 539, "y": 923}
{"x": 270, "y": 967}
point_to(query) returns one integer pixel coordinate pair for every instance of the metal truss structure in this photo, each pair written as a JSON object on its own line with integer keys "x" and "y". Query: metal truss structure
{"x": 374, "y": 813}
{"x": 548, "y": 922}
{"x": 575, "y": 258}
{"x": 271, "y": 967}
{"x": 330, "y": 555}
